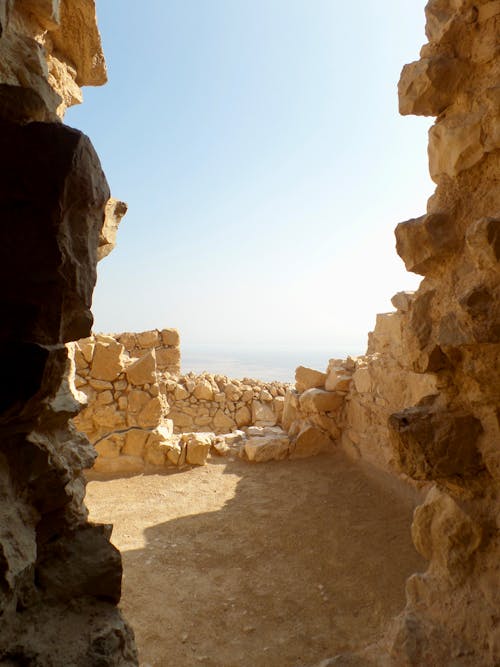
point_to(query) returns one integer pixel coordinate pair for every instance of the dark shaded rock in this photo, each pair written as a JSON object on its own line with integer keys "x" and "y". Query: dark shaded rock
{"x": 431, "y": 445}
{"x": 21, "y": 105}
{"x": 422, "y": 243}
{"x": 428, "y": 86}
{"x": 80, "y": 563}
{"x": 51, "y": 213}
{"x": 421, "y": 321}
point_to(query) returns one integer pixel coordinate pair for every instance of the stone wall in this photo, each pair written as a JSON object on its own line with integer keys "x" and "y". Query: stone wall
{"x": 60, "y": 578}
{"x": 141, "y": 413}
{"x": 221, "y": 404}
{"x": 382, "y": 384}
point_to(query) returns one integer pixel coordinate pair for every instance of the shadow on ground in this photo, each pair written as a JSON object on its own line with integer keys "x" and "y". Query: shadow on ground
{"x": 267, "y": 565}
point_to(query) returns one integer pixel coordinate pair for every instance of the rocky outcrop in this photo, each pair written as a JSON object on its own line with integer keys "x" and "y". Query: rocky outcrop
{"x": 444, "y": 426}
{"x": 60, "y": 577}
{"x": 452, "y": 331}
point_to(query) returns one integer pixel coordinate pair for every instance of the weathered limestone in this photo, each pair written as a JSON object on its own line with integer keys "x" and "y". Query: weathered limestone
{"x": 222, "y": 404}
{"x": 134, "y": 406}
{"x": 381, "y": 385}
{"x": 444, "y": 433}
{"x": 60, "y": 576}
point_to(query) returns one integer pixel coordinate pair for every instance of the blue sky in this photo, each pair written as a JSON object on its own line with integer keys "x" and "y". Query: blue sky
{"x": 260, "y": 150}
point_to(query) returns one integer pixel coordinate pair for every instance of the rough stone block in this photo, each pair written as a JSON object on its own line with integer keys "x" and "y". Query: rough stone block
{"x": 430, "y": 444}
{"x": 267, "y": 448}
{"x": 308, "y": 378}
{"x": 135, "y": 441}
{"x": 310, "y": 441}
{"x": 262, "y": 414}
{"x": 170, "y": 337}
{"x": 423, "y": 243}
{"x": 320, "y": 400}
{"x": 142, "y": 371}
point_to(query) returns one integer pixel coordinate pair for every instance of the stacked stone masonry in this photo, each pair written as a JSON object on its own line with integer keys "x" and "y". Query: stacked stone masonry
{"x": 140, "y": 413}
{"x": 60, "y": 577}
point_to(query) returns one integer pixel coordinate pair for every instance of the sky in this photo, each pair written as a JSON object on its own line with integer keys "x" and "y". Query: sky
{"x": 259, "y": 147}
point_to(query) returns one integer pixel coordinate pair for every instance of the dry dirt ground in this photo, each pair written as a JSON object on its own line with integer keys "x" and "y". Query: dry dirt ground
{"x": 258, "y": 565}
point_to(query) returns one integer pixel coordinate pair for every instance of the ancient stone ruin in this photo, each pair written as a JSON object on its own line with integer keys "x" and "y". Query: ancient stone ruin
{"x": 60, "y": 578}
{"x": 423, "y": 404}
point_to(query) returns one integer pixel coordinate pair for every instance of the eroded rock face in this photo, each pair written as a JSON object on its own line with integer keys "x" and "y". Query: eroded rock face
{"x": 451, "y": 328}
{"x": 60, "y": 578}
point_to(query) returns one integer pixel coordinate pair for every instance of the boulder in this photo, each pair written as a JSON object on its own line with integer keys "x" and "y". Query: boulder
{"x": 320, "y": 400}
{"x": 267, "y": 448}
{"x": 198, "y": 447}
{"x": 203, "y": 390}
{"x": 308, "y": 378}
{"x": 310, "y": 442}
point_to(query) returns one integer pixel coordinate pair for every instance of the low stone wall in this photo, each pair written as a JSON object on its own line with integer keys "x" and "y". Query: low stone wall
{"x": 381, "y": 385}
{"x": 141, "y": 413}
{"x": 220, "y": 404}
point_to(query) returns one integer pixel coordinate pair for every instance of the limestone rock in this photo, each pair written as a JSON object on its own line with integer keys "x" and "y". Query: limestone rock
{"x": 338, "y": 379}
{"x": 267, "y": 448}
{"x": 170, "y": 337}
{"x": 78, "y": 41}
{"x": 135, "y": 441}
{"x": 222, "y": 422}
{"x": 429, "y": 444}
{"x": 402, "y": 300}
{"x": 310, "y": 442}
{"x": 107, "y": 361}
{"x": 203, "y": 390}
{"x": 151, "y": 414}
{"x": 114, "y": 212}
{"x": 158, "y": 444}
{"x": 148, "y": 339}
{"x": 423, "y": 243}
{"x": 81, "y": 562}
{"x": 168, "y": 359}
{"x": 262, "y": 414}
{"x": 109, "y": 448}
{"x": 445, "y": 535}
{"x": 198, "y": 447}
{"x": 429, "y": 85}
{"x": 308, "y": 378}
{"x": 143, "y": 370}
{"x": 320, "y": 400}
{"x": 181, "y": 392}
{"x": 243, "y": 416}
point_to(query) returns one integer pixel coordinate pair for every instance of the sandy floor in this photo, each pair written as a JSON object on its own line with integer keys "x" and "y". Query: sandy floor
{"x": 257, "y": 565}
